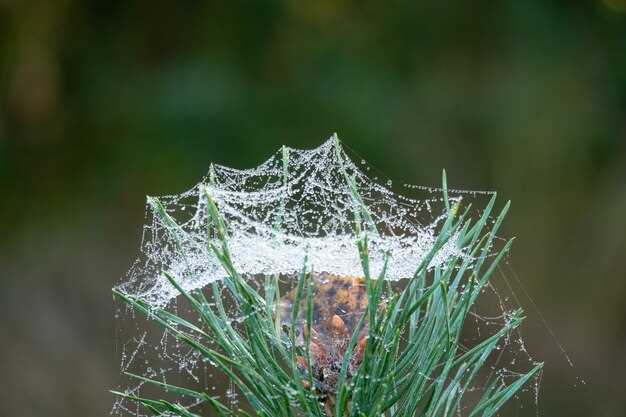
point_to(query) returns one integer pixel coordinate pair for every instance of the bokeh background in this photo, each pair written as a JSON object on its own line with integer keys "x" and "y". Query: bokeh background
{"x": 104, "y": 102}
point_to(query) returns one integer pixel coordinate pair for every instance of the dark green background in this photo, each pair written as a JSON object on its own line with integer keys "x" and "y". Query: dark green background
{"x": 105, "y": 102}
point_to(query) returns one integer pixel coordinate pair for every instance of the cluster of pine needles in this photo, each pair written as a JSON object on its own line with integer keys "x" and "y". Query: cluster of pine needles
{"x": 413, "y": 363}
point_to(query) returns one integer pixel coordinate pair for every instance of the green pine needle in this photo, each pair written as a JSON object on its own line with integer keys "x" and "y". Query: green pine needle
{"x": 412, "y": 364}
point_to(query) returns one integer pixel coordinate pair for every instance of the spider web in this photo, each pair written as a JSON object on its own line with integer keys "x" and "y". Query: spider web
{"x": 297, "y": 204}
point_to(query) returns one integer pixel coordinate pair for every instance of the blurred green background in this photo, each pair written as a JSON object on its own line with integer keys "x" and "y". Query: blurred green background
{"x": 104, "y": 102}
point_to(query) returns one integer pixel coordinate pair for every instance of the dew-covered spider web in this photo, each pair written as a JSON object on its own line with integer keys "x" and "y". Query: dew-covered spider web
{"x": 296, "y": 202}
{"x": 297, "y": 205}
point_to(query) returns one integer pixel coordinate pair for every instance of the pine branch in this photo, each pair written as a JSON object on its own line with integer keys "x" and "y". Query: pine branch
{"x": 411, "y": 365}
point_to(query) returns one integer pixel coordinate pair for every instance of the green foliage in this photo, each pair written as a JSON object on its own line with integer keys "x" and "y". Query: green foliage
{"x": 412, "y": 365}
